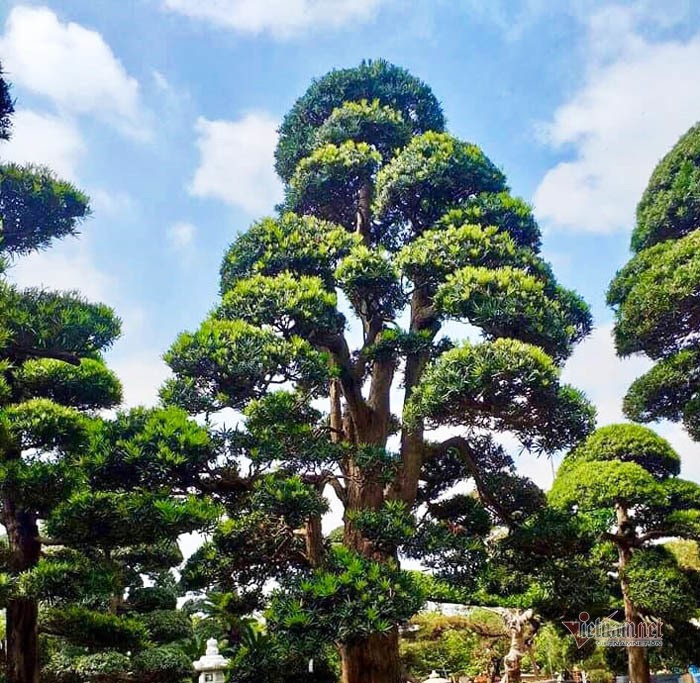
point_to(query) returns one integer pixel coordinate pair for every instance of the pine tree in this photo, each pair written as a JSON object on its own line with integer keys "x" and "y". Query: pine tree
{"x": 655, "y": 295}
{"x": 390, "y": 229}
{"x": 625, "y": 477}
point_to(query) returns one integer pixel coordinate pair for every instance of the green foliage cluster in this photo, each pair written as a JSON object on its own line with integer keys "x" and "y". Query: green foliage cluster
{"x": 350, "y": 598}
{"x": 655, "y": 294}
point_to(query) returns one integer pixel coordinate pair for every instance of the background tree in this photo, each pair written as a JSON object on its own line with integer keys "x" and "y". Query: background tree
{"x": 51, "y": 376}
{"x": 7, "y": 108}
{"x": 626, "y": 475}
{"x": 109, "y": 597}
{"x": 390, "y": 229}
{"x": 655, "y": 295}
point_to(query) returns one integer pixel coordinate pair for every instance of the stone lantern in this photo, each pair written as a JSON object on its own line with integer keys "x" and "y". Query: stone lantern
{"x": 435, "y": 677}
{"x": 211, "y": 665}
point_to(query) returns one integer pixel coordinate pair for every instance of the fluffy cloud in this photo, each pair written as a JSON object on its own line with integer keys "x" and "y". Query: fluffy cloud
{"x": 72, "y": 66}
{"x": 44, "y": 139}
{"x": 638, "y": 97}
{"x": 236, "y": 162}
{"x": 181, "y": 235}
{"x": 281, "y": 18}
{"x": 142, "y": 374}
{"x": 68, "y": 265}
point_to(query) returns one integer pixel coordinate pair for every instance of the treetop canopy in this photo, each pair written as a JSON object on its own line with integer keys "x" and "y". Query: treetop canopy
{"x": 670, "y": 205}
{"x": 377, "y": 80}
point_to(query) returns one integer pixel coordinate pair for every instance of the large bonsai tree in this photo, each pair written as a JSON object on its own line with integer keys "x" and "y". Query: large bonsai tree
{"x": 391, "y": 229}
{"x": 625, "y": 477}
{"x": 655, "y": 295}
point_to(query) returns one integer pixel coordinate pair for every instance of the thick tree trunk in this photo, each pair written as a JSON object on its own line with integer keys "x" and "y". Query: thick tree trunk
{"x": 22, "y": 613}
{"x": 637, "y": 659}
{"x": 373, "y": 660}
{"x": 22, "y": 641}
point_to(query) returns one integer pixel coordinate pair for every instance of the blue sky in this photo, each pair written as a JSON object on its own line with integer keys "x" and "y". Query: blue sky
{"x": 165, "y": 112}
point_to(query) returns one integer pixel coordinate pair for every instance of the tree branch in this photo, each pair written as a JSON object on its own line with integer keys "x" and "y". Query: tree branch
{"x": 461, "y": 445}
{"x": 65, "y": 356}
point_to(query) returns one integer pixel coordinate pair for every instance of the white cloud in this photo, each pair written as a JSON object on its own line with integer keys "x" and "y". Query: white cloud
{"x": 237, "y": 162}
{"x": 105, "y": 202}
{"x": 281, "y": 18}
{"x": 595, "y": 368}
{"x": 44, "y": 139}
{"x": 181, "y": 235}
{"x": 141, "y": 373}
{"x": 638, "y": 98}
{"x": 68, "y": 265}
{"x": 70, "y": 65}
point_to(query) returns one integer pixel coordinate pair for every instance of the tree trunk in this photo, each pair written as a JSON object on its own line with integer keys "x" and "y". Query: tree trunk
{"x": 22, "y": 641}
{"x": 22, "y": 613}
{"x": 363, "y": 208}
{"x": 637, "y": 660}
{"x": 373, "y": 660}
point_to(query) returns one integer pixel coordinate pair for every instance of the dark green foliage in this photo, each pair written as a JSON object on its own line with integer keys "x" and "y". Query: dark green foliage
{"x": 147, "y": 599}
{"x": 226, "y": 363}
{"x": 162, "y": 665}
{"x": 125, "y": 521}
{"x": 100, "y": 666}
{"x": 95, "y": 630}
{"x": 670, "y": 205}
{"x": 448, "y": 394}
{"x": 376, "y": 80}
{"x": 7, "y": 108}
{"x": 303, "y": 245}
{"x": 623, "y": 478}
{"x": 36, "y": 208}
{"x": 39, "y": 323}
{"x": 655, "y": 295}
{"x": 511, "y": 214}
{"x": 380, "y": 126}
{"x": 88, "y": 386}
{"x": 351, "y": 597}
{"x": 433, "y": 174}
{"x": 508, "y": 302}
{"x": 327, "y": 183}
{"x": 659, "y": 587}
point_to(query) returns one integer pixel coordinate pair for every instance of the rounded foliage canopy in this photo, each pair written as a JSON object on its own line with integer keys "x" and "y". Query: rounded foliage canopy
{"x": 373, "y": 80}
{"x": 670, "y": 205}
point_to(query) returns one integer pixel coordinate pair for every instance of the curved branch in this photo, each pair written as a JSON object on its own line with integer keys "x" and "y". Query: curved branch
{"x": 461, "y": 445}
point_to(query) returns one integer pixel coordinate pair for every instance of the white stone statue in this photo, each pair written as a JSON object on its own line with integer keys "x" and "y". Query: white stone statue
{"x": 436, "y": 678}
{"x": 211, "y": 665}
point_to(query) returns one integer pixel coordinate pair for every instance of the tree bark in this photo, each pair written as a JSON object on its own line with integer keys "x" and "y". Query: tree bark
{"x": 22, "y": 641}
{"x": 363, "y": 207}
{"x": 22, "y": 613}
{"x": 372, "y": 660}
{"x": 637, "y": 659}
